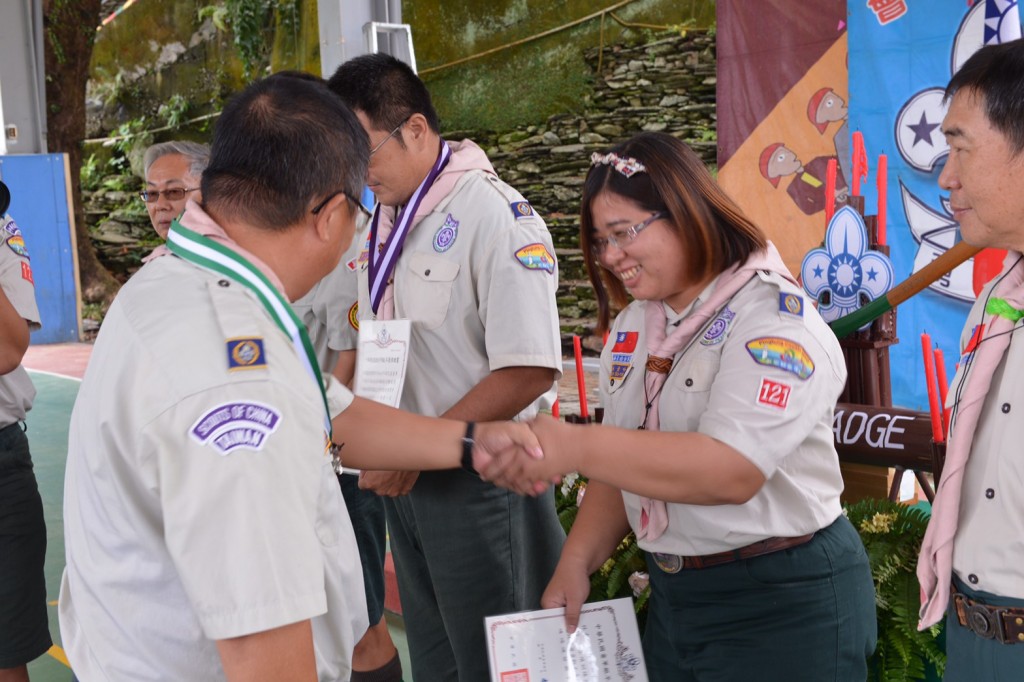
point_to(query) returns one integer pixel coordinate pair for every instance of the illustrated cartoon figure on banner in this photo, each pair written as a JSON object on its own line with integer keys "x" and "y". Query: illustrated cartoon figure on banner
{"x": 807, "y": 188}
{"x": 851, "y": 273}
{"x": 824, "y": 107}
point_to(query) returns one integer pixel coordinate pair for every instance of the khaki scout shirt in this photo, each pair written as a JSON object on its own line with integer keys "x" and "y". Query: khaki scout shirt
{"x": 200, "y": 503}
{"x": 16, "y": 389}
{"x": 479, "y": 285}
{"x": 758, "y": 378}
{"x": 988, "y": 549}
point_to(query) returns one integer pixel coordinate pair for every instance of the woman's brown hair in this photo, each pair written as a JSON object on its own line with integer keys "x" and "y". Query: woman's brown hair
{"x": 714, "y": 231}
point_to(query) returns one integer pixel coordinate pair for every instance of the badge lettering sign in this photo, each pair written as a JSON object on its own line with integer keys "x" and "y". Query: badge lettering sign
{"x": 230, "y": 426}
{"x": 883, "y": 436}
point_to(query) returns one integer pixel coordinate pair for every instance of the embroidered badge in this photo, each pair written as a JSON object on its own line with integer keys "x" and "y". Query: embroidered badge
{"x": 716, "y": 332}
{"x": 446, "y": 234}
{"x": 353, "y": 316}
{"x": 364, "y": 255}
{"x": 787, "y": 355}
{"x": 230, "y": 426}
{"x": 17, "y": 245}
{"x": 791, "y": 303}
{"x": 521, "y": 209}
{"x": 536, "y": 257}
{"x": 774, "y": 394}
{"x": 972, "y": 343}
{"x": 622, "y": 354}
{"x": 12, "y": 228}
{"x": 246, "y": 353}
{"x": 26, "y": 272}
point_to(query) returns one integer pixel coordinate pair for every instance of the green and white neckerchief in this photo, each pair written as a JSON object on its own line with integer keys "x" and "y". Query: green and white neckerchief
{"x": 208, "y": 254}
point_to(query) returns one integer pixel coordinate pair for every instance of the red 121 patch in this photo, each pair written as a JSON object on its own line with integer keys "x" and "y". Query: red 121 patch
{"x": 773, "y": 393}
{"x": 26, "y": 272}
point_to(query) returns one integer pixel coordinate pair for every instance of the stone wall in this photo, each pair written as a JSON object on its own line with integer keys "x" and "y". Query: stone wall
{"x": 666, "y": 85}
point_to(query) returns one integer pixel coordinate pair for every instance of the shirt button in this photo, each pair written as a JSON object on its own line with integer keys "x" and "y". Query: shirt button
{"x": 973, "y": 579}
{"x": 1006, "y": 408}
{"x": 990, "y": 493}
{"x": 224, "y": 283}
{"x": 426, "y": 273}
{"x": 689, "y": 382}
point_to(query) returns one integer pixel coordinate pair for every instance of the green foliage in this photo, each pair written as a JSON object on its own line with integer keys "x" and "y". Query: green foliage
{"x": 174, "y": 111}
{"x": 251, "y": 24}
{"x": 892, "y": 535}
{"x": 91, "y": 173}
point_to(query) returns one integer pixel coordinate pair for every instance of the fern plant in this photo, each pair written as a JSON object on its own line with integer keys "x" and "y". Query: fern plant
{"x": 892, "y": 535}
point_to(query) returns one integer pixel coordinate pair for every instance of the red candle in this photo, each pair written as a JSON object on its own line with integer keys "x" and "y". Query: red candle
{"x": 933, "y": 398}
{"x": 581, "y": 382}
{"x": 883, "y": 193}
{"x": 860, "y": 161}
{"x": 940, "y": 373}
{"x": 830, "y": 190}
{"x": 554, "y": 409}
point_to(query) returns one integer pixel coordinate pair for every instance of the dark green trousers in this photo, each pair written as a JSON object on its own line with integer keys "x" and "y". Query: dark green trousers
{"x": 801, "y": 614}
{"x": 972, "y": 658}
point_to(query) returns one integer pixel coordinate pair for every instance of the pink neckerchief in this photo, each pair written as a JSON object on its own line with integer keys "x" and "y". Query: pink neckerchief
{"x": 466, "y": 156}
{"x": 935, "y": 564}
{"x": 198, "y": 220}
{"x": 662, "y": 350}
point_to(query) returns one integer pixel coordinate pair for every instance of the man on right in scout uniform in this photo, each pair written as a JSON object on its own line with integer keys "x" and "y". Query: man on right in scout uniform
{"x": 972, "y": 560}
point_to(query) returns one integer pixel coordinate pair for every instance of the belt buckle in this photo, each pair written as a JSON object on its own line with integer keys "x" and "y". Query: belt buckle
{"x": 669, "y": 563}
{"x": 982, "y": 621}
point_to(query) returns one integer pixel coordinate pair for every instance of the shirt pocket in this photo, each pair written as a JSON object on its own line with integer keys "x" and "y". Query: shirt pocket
{"x": 698, "y": 374}
{"x": 429, "y": 293}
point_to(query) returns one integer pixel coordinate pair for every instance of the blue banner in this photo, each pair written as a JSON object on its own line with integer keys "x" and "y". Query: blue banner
{"x": 901, "y": 56}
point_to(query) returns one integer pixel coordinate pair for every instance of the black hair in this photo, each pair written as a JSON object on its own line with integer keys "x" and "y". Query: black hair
{"x": 385, "y": 89}
{"x": 996, "y": 72}
{"x": 283, "y": 144}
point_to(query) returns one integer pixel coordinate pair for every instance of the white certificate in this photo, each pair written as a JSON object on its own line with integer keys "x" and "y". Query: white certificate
{"x": 381, "y": 360}
{"x": 533, "y": 646}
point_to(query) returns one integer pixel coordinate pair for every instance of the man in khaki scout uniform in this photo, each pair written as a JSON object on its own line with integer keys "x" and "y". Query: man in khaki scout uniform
{"x": 24, "y": 634}
{"x": 205, "y": 532}
{"x": 476, "y": 275}
{"x": 972, "y": 560}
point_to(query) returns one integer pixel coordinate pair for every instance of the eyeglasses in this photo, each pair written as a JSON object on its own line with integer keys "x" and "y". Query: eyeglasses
{"x": 390, "y": 135}
{"x": 172, "y": 194}
{"x": 351, "y": 199}
{"x": 621, "y": 238}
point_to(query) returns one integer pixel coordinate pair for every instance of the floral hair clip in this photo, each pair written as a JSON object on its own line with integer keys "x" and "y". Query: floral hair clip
{"x": 626, "y": 165}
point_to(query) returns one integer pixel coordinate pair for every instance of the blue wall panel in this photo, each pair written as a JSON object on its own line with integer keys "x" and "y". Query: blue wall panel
{"x": 39, "y": 205}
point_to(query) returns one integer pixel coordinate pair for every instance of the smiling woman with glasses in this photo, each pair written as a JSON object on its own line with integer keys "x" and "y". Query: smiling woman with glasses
{"x": 719, "y": 383}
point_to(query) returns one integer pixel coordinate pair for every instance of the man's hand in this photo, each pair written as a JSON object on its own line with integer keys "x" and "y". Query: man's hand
{"x": 514, "y": 459}
{"x": 388, "y": 483}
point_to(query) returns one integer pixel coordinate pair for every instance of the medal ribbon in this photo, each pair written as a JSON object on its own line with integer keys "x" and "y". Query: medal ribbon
{"x": 383, "y": 264}
{"x": 208, "y": 254}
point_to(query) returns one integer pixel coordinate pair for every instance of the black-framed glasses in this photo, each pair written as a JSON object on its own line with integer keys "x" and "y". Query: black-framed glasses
{"x": 621, "y": 238}
{"x": 390, "y": 135}
{"x": 172, "y": 194}
{"x": 352, "y": 200}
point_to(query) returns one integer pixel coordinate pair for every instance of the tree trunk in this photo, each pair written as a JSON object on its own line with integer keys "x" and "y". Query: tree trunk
{"x": 70, "y": 27}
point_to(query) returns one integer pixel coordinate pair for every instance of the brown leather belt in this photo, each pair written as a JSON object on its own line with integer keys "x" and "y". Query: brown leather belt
{"x": 672, "y": 563}
{"x": 1002, "y": 623}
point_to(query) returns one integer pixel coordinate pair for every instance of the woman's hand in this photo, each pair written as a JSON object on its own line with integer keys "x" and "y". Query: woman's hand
{"x": 569, "y": 587}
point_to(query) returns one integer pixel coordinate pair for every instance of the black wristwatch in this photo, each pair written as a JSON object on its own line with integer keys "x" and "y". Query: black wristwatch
{"x": 467, "y": 448}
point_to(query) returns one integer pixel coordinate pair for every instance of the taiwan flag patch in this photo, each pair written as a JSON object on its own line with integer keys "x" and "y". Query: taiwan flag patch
{"x": 622, "y": 353}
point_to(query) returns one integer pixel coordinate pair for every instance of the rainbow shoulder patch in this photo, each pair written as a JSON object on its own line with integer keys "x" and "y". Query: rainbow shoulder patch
{"x": 536, "y": 257}
{"x": 775, "y": 351}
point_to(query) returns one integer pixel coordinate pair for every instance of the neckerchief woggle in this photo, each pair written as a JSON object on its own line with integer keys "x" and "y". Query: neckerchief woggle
{"x": 208, "y": 254}
{"x": 382, "y": 265}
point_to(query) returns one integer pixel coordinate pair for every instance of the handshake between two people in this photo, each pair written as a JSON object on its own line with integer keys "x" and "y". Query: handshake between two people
{"x": 527, "y": 457}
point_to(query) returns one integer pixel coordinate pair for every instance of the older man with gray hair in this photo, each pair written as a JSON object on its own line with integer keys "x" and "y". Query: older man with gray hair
{"x": 173, "y": 171}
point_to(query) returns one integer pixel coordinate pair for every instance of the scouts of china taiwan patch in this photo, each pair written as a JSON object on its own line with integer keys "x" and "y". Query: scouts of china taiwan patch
{"x": 353, "y": 316}
{"x": 521, "y": 209}
{"x": 446, "y": 234}
{"x": 791, "y": 303}
{"x": 789, "y": 356}
{"x": 716, "y": 332}
{"x": 536, "y": 257}
{"x": 12, "y": 228}
{"x": 17, "y": 245}
{"x": 622, "y": 354}
{"x": 230, "y": 426}
{"x": 246, "y": 353}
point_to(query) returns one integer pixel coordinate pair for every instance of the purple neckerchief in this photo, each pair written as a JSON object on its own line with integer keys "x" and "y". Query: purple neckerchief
{"x": 382, "y": 265}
